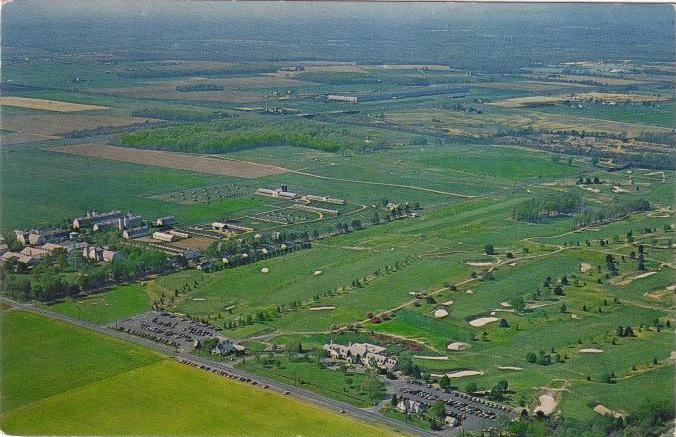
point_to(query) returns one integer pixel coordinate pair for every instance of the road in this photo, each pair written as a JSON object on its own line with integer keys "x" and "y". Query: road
{"x": 300, "y": 394}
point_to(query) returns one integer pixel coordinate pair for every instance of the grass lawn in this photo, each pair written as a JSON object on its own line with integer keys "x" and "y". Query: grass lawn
{"x": 118, "y": 303}
{"x": 331, "y": 383}
{"x": 168, "y": 398}
{"x": 41, "y": 358}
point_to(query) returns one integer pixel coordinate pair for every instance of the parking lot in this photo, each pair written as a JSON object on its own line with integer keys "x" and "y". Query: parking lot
{"x": 473, "y": 413}
{"x": 170, "y": 329}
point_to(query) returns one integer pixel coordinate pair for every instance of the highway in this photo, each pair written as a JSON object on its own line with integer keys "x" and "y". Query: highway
{"x": 209, "y": 365}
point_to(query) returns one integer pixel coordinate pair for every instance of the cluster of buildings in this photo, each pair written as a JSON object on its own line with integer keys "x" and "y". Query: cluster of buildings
{"x": 131, "y": 225}
{"x": 41, "y": 243}
{"x": 365, "y": 354}
{"x": 37, "y": 245}
{"x": 284, "y": 193}
{"x": 100, "y": 254}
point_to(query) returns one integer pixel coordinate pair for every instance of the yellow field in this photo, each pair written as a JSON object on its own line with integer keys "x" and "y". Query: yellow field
{"x": 47, "y": 105}
{"x": 520, "y": 102}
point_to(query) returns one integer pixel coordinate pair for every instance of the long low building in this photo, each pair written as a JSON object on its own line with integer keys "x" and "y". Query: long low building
{"x": 142, "y": 231}
{"x": 94, "y": 217}
{"x": 223, "y": 227}
{"x": 276, "y": 193}
{"x": 317, "y": 209}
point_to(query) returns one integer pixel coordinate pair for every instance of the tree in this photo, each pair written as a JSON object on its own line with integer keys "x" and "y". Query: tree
{"x": 471, "y": 388}
{"x": 372, "y": 384}
{"x": 489, "y": 249}
{"x": 445, "y": 382}
{"x": 641, "y": 262}
{"x": 437, "y": 411}
{"x": 531, "y": 357}
{"x": 518, "y": 304}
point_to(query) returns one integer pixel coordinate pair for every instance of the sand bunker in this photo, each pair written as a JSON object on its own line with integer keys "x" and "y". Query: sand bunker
{"x": 265, "y": 270}
{"x": 440, "y": 313}
{"x": 505, "y": 304}
{"x": 198, "y": 299}
{"x": 575, "y": 316}
{"x": 591, "y": 351}
{"x": 457, "y": 346}
{"x": 447, "y": 303}
{"x": 605, "y": 411}
{"x": 469, "y": 292}
{"x": 464, "y": 373}
{"x": 547, "y": 405}
{"x": 326, "y": 307}
{"x": 479, "y": 263}
{"x": 317, "y": 272}
{"x": 644, "y": 275}
{"x": 482, "y": 321}
{"x": 585, "y": 267}
{"x": 510, "y": 368}
{"x": 424, "y": 357}
{"x": 617, "y": 189}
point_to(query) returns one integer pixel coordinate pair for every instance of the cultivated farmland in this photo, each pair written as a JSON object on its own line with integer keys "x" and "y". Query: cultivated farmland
{"x": 201, "y": 164}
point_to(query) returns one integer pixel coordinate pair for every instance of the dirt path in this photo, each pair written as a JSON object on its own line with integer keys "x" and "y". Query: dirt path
{"x": 384, "y": 184}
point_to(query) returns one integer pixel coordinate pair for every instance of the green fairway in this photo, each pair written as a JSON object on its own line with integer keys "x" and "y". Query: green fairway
{"x": 118, "y": 303}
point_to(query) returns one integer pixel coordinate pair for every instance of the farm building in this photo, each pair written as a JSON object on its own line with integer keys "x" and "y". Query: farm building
{"x": 315, "y": 198}
{"x": 224, "y": 227}
{"x": 169, "y": 220}
{"x": 165, "y": 236}
{"x": 139, "y": 232}
{"x": 339, "y": 98}
{"x": 178, "y": 234}
{"x": 317, "y": 209}
{"x": 277, "y": 193}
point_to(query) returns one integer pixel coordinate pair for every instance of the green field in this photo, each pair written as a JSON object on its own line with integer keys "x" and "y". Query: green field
{"x": 118, "y": 303}
{"x": 41, "y": 359}
{"x": 61, "y": 380}
{"x": 77, "y": 184}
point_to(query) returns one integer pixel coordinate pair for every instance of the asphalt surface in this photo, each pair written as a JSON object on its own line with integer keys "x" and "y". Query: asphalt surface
{"x": 209, "y": 365}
